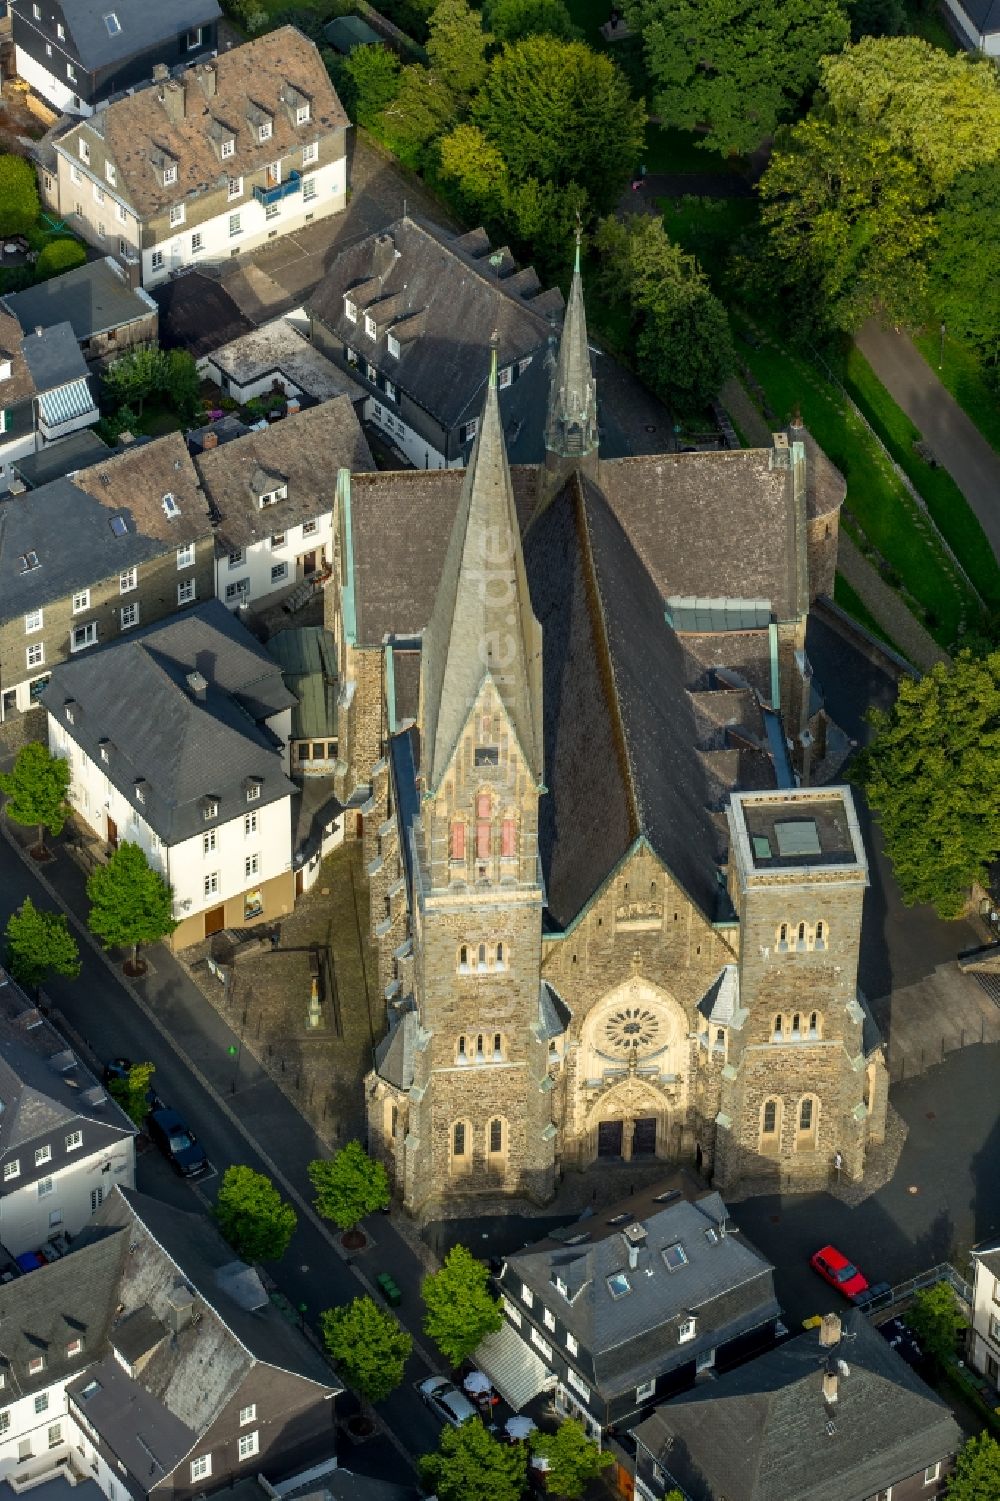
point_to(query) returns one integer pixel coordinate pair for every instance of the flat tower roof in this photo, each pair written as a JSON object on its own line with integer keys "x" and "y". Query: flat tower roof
{"x": 796, "y": 829}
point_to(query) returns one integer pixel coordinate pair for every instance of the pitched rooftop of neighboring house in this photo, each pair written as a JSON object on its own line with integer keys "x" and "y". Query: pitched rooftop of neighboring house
{"x": 108, "y": 32}
{"x": 178, "y": 708}
{"x": 441, "y": 298}
{"x": 53, "y": 356}
{"x": 278, "y": 349}
{"x": 295, "y": 460}
{"x": 625, "y": 1296}
{"x": 83, "y": 528}
{"x": 307, "y": 657}
{"x": 16, "y": 384}
{"x": 93, "y": 299}
{"x": 764, "y": 1432}
{"x": 76, "y": 451}
{"x": 43, "y": 1084}
{"x": 253, "y": 96}
{"x": 984, "y": 15}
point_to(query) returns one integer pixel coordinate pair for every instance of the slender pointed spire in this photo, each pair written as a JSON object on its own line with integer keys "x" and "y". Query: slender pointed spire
{"x": 571, "y": 424}
{"x": 482, "y": 623}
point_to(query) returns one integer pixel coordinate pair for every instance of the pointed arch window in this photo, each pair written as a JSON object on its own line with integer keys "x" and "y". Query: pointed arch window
{"x": 814, "y": 1024}
{"x": 496, "y": 1135}
{"x": 501, "y": 956}
{"x": 458, "y": 1139}
{"x": 769, "y": 1124}
{"x": 508, "y": 839}
{"x": 821, "y": 934}
{"x": 458, "y": 839}
{"x": 796, "y": 1024}
{"x": 483, "y": 825}
{"x": 801, "y": 936}
{"x": 463, "y": 958}
{"x": 481, "y": 956}
{"x": 777, "y": 1028}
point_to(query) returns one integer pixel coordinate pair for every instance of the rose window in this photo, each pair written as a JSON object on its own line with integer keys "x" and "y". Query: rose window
{"x": 633, "y": 1028}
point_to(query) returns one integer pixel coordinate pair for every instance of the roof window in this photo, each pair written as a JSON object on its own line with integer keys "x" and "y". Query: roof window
{"x": 674, "y": 1256}
{"x": 113, "y": 24}
{"x": 119, "y": 526}
{"x": 619, "y": 1285}
{"x": 29, "y": 562}
{"x": 170, "y": 506}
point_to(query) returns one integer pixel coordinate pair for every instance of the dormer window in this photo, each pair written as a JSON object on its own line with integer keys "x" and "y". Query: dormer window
{"x": 392, "y": 344}
{"x": 253, "y": 792}
{"x": 170, "y": 177}
{"x": 350, "y": 310}
{"x": 271, "y": 497}
{"x": 302, "y": 115}
{"x": 686, "y": 1330}
{"x": 29, "y": 562}
{"x": 84, "y": 150}
{"x": 371, "y": 328}
{"x": 209, "y": 808}
{"x": 227, "y": 148}
{"x": 264, "y": 130}
{"x": 4, "y": 369}
{"x": 110, "y": 174}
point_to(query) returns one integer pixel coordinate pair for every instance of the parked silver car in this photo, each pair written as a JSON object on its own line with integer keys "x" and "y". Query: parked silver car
{"x": 445, "y": 1399}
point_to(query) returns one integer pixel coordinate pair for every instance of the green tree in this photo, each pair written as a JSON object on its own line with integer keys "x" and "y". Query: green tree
{"x": 471, "y": 1465}
{"x": 544, "y": 220}
{"x": 965, "y": 261}
{"x": 976, "y": 1476}
{"x": 135, "y": 375}
{"x": 371, "y": 82}
{"x": 574, "y": 1459}
{"x": 40, "y": 944}
{"x": 877, "y": 18}
{"x": 132, "y": 1092}
{"x": 932, "y": 773}
{"x": 59, "y": 256}
{"x": 36, "y": 791}
{"x": 937, "y": 1322}
{"x": 734, "y": 67}
{"x": 368, "y": 1345}
{"x": 349, "y": 1185}
{"x": 130, "y": 902}
{"x": 181, "y": 384}
{"x": 19, "y": 206}
{"x": 460, "y": 1310}
{"x": 476, "y": 168}
{"x": 456, "y": 46}
{"x": 560, "y": 113}
{"x": 512, "y": 20}
{"x": 252, "y": 1215}
{"x": 424, "y": 109}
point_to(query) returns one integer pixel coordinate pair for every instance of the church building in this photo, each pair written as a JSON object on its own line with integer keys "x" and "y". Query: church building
{"x": 616, "y": 908}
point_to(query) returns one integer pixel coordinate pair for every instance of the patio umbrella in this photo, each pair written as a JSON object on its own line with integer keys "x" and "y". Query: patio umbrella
{"x": 477, "y": 1384}
{"x": 519, "y": 1427}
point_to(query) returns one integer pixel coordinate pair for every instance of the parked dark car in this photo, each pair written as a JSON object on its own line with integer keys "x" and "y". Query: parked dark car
{"x": 177, "y": 1142}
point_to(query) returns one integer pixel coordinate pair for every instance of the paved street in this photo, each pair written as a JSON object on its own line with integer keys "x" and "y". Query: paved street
{"x": 958, "y": 444}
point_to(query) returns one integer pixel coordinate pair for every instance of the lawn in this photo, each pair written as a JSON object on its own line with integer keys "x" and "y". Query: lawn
{"x": 157, "y": 418}
{"x": 848, "y": 599}
{"x": 879, "y": 508}
{"x": 708, "y": 228}
{"x": 961, "y": 374}
{"x": 951, "y": 511}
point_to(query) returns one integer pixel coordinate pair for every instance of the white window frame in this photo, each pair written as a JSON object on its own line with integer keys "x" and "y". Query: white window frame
{"x": 248, "y": 1414}
{"x": 74, "y": 1141}
{"x": 88, "y": 631}
{"x": 81, "y": 601}
{"x": 34, "y": 655}
{"x": 227, "y": 149}
{"x": 548, "y": 1318}
{"x": 211, "y": 883}
{"x": 249, "y": 824}
{"x": 83, "y": 149}
{"x": 577, "y": 1384}
{"x": 130, "y": 615}
{"x": 310, "y": 153}
{"x": 302, "y": 114}
{"x": 110, "y": 174}
{"x": 43, "y": 1154}
{"x": 541, "y": 1344}
{"x": 169, "y": 178}
{"x": 185, "y": 555}
{"x": 572, "y": 1343}
{"x": 686, "y": 1330}
{"x": 201, "y": 1468}
{"x": 235, "y": 188}
{"x": 209, "y": 842}
{"x": 251, "y": 866}
{"x": 46, "y": 1186}
{"x": 187, "y": 591}
{"x": 264, "y": 130}
{"x": 128, "y": 580}
{"x": 235, "y": 225}
{"x": 932, "y": 1473}
{"x": 308, "y": 189}
{"x": 197, "y": 242}
{"x": 156, "y": 260}
{"x": 176, "y": 211}
{"x": 12, "y": 1170}
{"x": 392, "y": 345}
{"x": 249, "y": 1445}
{"x": 645, "y": 1390}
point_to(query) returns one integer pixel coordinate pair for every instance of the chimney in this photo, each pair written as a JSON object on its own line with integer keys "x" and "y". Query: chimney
{"x": 180, "y": 1308}
{"x": 160, "y": 72}
{"x": 209, "y": 82}
{"x": 197, "y": 685}
{"x": 172, "y": 99}
{"x": 210, "y": 440}
{"x": 830, "y": 1386}
{"x": 829, "y": 1331}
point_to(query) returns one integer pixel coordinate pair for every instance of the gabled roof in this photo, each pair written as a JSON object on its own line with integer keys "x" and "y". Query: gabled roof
{"x": 984, "y": 15}
{"x": 92, "y": 299}
{"x": 53, "y": 356}
{"x": 18, "y": 386}
{"x": 443, "y": 298}
{"x": 630, "y": 1329}
{"x": 141, "y": 26}
{"x": 764, "y": 1433}
{"x": 185, "y": 747}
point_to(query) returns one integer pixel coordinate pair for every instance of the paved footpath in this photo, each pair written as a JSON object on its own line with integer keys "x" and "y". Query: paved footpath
{"x": 957, "y": 443}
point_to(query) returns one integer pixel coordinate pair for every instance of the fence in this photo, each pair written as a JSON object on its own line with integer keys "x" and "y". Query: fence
{"x": 944, "y": 1272}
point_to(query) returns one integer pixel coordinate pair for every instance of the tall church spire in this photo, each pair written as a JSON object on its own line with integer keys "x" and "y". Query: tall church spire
{"x": 482, "y": 623}
{"x": 571, "y": 424}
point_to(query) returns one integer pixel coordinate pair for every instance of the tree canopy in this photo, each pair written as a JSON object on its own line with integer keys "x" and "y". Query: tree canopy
{"x": 19, "y": 205}
{"x": 460, "y": 1309}
{"x": 976, "y": 1476}
{"x": 36, "y": 790}
{"x": 471, "y": 1465}
{"x": 574, "y": 1458}
{"x": 369, "y": 81}
{"x": 130, "y": 902}
{"x": 369, "y": 1346}
{"x": 936, "y": 1320}
{"x": 132, "y": 1092}
{"x": 932, "y": 773}
{"x": 349, "y": 1185}
{"x": 965, "y": 260}
{"x": 735, "y": 67}
{"x": 40, "y": 944}
{"x": 59, "y": 256}
{"x": 252, "y": 1215}
{"x": 456, "y": 46}
{"x": 511, "y": 20}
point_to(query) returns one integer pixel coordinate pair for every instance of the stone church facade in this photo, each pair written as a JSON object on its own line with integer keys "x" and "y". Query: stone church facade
{"x": 614, "y": 918}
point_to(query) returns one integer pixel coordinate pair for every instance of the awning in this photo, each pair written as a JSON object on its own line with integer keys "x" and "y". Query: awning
{"x": 515, "y": 1370}
{"x": 65, "y": 403}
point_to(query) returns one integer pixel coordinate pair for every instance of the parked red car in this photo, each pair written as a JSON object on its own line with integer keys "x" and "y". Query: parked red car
{"x": 834, "y": 1267}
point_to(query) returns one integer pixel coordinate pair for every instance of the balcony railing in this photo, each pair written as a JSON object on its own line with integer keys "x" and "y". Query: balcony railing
{"x": 293, "y": 184}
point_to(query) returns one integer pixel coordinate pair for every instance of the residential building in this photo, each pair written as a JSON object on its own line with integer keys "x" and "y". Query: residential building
{"x": 64, "y": 1143}
{"x": 274, "y": 493}
{"x": 209, "y": 164}
{"x": 45, "y": 392}
{"x": 844, "y": 1419}
{"x": 77, "y": 451}
{"x": 588, "y": 958}
{"x": 76, "y": 55}
{"x": 976, "y": 23}
{"x": 149, "y": 1360}
{"x": 96, "y": 554}
{"x": 278, "y": 356}
{"x": 177, "y": 739}
{"x": 106, "y": 315}
{"x": 630, "y": 1311}
{"x": 308, "y": 661}
{"x": 984, "y": 1331}
{"x": 409, "y": 313}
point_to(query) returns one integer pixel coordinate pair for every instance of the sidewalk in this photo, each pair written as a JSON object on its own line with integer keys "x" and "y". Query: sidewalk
{"x": 957, "y": 443}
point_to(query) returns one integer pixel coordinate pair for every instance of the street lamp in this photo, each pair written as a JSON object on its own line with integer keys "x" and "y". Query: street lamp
{"x": 234, "y": 1052}
{"x": 941, "y": 351}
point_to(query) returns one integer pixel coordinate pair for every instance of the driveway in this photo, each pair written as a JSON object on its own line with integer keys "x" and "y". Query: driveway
{"x": 957, "y": 443}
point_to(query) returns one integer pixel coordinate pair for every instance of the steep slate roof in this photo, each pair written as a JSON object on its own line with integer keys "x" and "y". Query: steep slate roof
{"x": 43, "y": 1084}
{"x": 984, "y": 15}
{"x": 68, "y": 523}
{"x": 761, "y": 1432}
{"x": 441, "y": 297}
{"x": 142, "y": 26}
{"x": 303, "y": 451}
{"x": 19, "y": 385}
{"x": 478, "y": 629}
{"x": 252, "y": 77}
{"x": 77, "y": 451}
{"x": 54, "y": 357}
{"x": 725, "y": 1282}
{"x": 92, "y": 299}
{"x": 990, "y": 1258}
{"x": 621, "y": 737}
{"x": 712, "y": 524}
{"x": 134, "y": 694}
